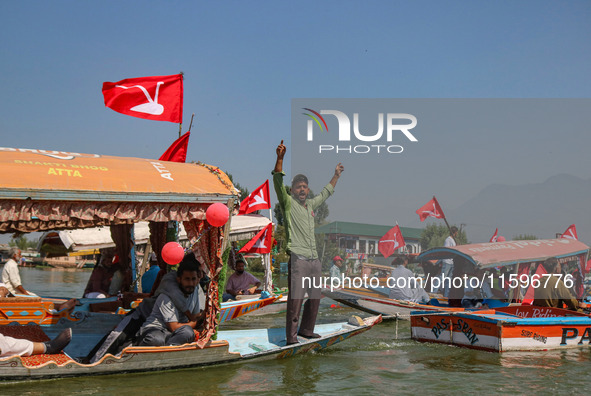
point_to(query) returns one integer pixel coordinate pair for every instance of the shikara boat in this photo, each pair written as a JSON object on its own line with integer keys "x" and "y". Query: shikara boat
{"x": 516, "y": 259}
{"x": 24, "y": 310}
{"x": 230, "y": 346}
{"x": 374, "y": 302}
{"x": 53, "y": 190}
{"x": 525, "y": 328}
{"x": 278, "y": 306}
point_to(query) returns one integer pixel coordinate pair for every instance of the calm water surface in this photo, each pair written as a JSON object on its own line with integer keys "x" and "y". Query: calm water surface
{"x": 376, "y": 362}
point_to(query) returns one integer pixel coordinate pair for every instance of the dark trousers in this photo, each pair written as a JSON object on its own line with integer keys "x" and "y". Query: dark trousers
{"x": 298, "y": 270}
{"x": 153, "y": 336}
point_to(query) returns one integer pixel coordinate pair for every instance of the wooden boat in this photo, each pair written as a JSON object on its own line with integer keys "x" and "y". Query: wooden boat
{"x": 41, "y": 311}
{"x": 377, "y": 303}
{"x": 230, "y": 346}
{"x": 24, "y": 310}
{"x": 72, "y": 190}
{"x": 525, "y": 328}
{"x": 518, "y": 258}
{"x": 278, "y": 306}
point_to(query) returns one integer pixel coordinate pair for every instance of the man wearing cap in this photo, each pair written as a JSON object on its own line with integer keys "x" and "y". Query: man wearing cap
{"x": 304, "y": 268}
{"x": 335, "y": 270}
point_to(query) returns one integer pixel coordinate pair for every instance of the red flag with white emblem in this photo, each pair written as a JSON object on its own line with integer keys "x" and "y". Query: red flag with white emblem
{"x": 495, "y": 235}
{"x": 257, "y": 200}
{"x": 393, "y": 240}
{"x": 158, "y": 98}
{"x": 431, "y": 209}
{"x": 261, "y": 243}
{"x": 570, "y": 233}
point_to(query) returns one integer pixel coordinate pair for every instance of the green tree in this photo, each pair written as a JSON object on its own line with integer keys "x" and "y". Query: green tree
{"x": 23, "y": 243}
{"x": 278, "y": 214}
{"x": 525, "y": 237}
{"x": 434, "y": 236}
{"x": 327, "y": 249}
{"x": 243, "y": 190}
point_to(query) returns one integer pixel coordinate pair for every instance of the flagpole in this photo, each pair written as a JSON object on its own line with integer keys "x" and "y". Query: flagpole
{"x": 444, "y": 219}
{"x": 191, "y": 124}
{"x": 268, "y": 272}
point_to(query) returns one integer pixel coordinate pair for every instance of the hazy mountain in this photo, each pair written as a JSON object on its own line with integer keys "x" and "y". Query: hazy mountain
{"x": 542, "y": 209}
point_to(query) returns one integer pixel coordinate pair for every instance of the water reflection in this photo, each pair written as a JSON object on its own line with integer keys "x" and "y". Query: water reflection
{"x": 56, "y": 282}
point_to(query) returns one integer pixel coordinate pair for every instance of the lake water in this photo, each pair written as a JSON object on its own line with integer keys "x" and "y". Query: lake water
{"x": 383, "y": 360}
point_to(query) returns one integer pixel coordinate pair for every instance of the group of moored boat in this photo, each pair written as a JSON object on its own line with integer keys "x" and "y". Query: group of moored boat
{"x": 115, "y": 196}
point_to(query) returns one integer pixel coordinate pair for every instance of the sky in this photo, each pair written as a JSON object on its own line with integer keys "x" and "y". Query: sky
{"x": 244, "y": 63}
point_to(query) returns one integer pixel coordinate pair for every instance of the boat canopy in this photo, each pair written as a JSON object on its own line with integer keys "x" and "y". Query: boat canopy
{"x": 87, "y": 239}
{"x": 43, "y": 190}
{"x": 54, "y": 190}
{"x": 498, "y": 254}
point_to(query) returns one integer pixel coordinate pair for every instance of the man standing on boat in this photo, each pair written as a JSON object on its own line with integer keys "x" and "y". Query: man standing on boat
{"x": 448, "y": 264}
{"x": 553, "y": 292}
{"x": 298, "y": 214}
{"x": 168, "y": 324}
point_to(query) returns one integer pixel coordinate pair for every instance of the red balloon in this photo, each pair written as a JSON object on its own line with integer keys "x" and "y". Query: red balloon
{"x": 217, "y": 214}
{"x": 173, "y": 253}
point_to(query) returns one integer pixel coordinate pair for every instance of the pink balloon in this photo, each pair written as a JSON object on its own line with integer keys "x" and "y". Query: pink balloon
{"x": 217, "y": 214}
{"x": 173, "y": 253}
{"x": 500, "y": 238}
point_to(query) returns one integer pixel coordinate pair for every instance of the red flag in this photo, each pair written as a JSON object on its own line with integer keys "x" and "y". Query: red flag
{"x": 177, "y": 152}
{"x": 391, "y": 241}
{"x": 494, "y": 237}
{"x": 529, "y": 294}
{"x": 261, "y": 243}
{"x": 570, "y": 233}
{"x": 431, "y": 209}
{"x": 257, "y": 200}
{"x": 157, "y": 98}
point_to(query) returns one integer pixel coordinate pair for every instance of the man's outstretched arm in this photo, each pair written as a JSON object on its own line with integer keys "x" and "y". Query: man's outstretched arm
{"x": 337, "y": 173}
{"x": 280, "y": 154}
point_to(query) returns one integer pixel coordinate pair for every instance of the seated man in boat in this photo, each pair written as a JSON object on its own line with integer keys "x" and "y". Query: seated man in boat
{"x": 335, "y": 270}
{"x": 403, "y": 284}
{"x": 11, "y": 276}
{"x": 102, "y": 275}
{"x": 553, "y": 292}
{"x": 11, "y": 284}
{"x": 10, "y": 346}
{"x": 149, "y": 277}
{"x": 474, "y": 296}
{"x": 240, "y": 282}
{"x": 168, "y": 324}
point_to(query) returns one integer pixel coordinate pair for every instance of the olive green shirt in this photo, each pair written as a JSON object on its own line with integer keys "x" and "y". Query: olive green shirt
{"x": 298, "y": 218}
{"x": 554, "y": 294}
